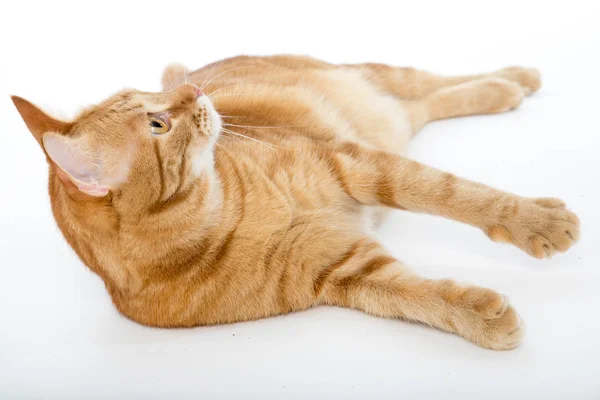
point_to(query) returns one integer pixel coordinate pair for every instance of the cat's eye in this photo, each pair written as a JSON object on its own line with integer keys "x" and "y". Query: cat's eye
{"x": 158, "y": 126}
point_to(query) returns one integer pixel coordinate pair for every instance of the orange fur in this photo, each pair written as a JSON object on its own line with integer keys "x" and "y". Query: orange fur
{"x": 276, "y": 217}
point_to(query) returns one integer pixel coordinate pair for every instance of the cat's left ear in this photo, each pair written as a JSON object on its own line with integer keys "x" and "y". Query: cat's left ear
{"x": 38, "y": 121}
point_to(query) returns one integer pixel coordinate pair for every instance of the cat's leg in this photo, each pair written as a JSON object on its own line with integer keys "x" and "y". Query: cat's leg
{"x": 413, "y": 84}
{"x": 539, "y": 226}
{"x": 481, "y": 96}
{"x": 368, "y": 279}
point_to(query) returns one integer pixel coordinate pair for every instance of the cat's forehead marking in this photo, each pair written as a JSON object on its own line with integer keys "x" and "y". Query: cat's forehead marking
{"x": 153, "y": 107}
{"x": 151, "y": 104}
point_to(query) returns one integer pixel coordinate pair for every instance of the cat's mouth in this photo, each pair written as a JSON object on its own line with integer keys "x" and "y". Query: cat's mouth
{"x": 215, "y": 123}
{"x": 203, "y": 157}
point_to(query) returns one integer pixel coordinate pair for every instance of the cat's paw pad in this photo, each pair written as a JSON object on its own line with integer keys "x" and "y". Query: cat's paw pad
{"x": 540, "y": 227}
{"x": 529, "y": 78}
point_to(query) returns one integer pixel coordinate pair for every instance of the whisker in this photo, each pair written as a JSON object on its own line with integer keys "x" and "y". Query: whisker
{"x": 271, "y": 145}
{"x": 219, "y": 89}
{"x": 238, "y": 141}
{"x": 263, "y": 127}
{"x": 244, "y": 136}
{"x": 235, "y": 85}
{"x": 207, "y": 76}
{"x": 229, "y": 95}
{"x": 224, "y": 72}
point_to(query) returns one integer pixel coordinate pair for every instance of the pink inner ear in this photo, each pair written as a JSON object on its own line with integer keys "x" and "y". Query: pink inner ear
{"x": 89, "y": 189}
{"x": 92, "y": 189}
{"x": 78, "y": 163}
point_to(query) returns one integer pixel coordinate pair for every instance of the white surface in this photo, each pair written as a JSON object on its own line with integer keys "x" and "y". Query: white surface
{"x": 61, "y": 338}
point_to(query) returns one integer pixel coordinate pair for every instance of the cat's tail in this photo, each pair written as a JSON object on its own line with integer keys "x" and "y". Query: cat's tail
{"x": 173, "y": 76}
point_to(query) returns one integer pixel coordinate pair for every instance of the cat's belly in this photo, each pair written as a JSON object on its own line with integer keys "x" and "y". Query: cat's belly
{"x": 372, "y": 119}
{"x": 360, "y": 112}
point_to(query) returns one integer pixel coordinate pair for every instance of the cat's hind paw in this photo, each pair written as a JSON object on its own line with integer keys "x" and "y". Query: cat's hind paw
{"x": 530, "y": 79}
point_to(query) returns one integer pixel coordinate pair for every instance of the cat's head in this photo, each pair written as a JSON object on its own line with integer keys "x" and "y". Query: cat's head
{"x": 140, "y": 145}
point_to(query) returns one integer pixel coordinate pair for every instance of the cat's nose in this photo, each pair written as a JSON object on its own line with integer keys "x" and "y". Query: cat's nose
{"x": 196, "y": 90}
{"x": 187, "y": 93}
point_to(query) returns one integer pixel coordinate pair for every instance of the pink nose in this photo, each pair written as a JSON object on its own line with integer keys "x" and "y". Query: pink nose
{"x": 197, "y": 90}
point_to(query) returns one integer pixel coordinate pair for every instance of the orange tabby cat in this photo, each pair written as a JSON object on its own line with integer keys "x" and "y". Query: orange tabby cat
{"x": 257, "y": 198}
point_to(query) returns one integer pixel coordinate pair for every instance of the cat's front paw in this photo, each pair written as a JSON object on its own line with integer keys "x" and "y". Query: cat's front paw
{"x": 540, "y": 227}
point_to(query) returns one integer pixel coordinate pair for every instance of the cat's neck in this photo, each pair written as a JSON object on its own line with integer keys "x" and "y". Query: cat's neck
{"x": 87, "y": 224}
{"x": 123, "y": 249}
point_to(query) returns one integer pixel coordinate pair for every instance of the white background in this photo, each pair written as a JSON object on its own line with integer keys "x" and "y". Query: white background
{"x": 61, "y": 338}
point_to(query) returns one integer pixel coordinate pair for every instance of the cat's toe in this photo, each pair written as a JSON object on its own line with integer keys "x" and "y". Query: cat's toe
{"x": 557, "y": 231}
{"x": 490, "y": 320}
{"x": 488, "y": 303}
{"x": 503, "y": 332}
{"x": 540, "y": 227}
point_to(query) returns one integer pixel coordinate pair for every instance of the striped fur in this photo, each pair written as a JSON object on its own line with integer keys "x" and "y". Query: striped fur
{"x": 269, "y": 215}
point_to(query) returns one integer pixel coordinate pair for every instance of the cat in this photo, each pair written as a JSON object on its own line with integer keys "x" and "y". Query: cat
{"x": 251, "y": 187}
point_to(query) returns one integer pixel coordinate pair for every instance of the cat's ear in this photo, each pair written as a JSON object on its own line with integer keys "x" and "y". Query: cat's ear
{"x": 38, "y": 121}
{"x": 77, "y": 166}
{"x": 173, "y": 76}
{"x": 77, "y": 163}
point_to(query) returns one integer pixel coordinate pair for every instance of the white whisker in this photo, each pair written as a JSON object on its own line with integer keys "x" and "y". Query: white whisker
{"x": 207, "y": 76}
{"x": 262, "y": 127}
{"x": 224, "y": 72}
{"x": 228, "y": 86}
{"x": 270, "y": 145}
{"x": 232, "y": 94}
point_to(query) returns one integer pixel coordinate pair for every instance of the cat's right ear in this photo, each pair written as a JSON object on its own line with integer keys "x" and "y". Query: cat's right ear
{"x": 77, "y": 166}
{"x": 38, "y": 121}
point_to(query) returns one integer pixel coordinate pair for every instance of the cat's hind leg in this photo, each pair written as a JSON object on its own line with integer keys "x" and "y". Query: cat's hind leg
{"x": 414, "y": 84}
{"x": 366, "y": 278}
{"x": 483, "y": 96}
{"x": 429, "y": 97}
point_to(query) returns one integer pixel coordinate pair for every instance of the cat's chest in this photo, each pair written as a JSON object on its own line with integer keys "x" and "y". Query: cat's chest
{"x": 299, "y": 191}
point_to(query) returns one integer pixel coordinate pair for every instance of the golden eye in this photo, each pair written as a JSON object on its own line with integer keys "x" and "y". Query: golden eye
{"x": 157, "y": 126}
